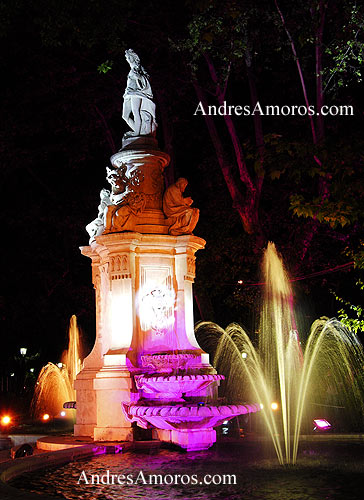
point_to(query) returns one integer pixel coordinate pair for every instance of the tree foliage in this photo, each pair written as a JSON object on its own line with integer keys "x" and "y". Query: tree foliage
{"x": 255, "y": 179}
{"x": 351, "y": 315}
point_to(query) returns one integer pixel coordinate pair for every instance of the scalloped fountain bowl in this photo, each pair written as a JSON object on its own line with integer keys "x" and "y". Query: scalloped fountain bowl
{"x": 181, "y": 406}
{"x": 167, "y": 363}
{"x": 189, "y": 425}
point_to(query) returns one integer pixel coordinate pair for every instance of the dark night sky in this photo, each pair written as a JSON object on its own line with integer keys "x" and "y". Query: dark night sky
{"x": 61, "y": 121}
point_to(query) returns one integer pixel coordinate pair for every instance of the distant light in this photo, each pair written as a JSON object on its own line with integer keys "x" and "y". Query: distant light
{"x": 274, "y": 406}
{"x": 63, "y": 413}
{"x": 23, "y": 351}
{"x": 240, "y": 282}
{"x": 45, "y": 416}
{"x": 322, "y": 424}
{"x": 5, "y": 420}
{"x": 244, "y": 355}
{"x": 12, "y": 374}
{"x": 31, "y": 370}
{"x": 60, "y": 365}
{"x": 226, "y": 422}
{"x": 261, "y": 406}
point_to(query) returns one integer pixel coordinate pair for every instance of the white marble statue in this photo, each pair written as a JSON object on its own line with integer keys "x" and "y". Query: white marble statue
{"x": 178, "y": 209}
{"x": 97, "y": 226}
{"x": 138, "y": 107}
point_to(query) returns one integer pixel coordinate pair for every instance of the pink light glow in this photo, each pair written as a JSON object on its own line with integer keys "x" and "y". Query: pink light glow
{"x": 322, "y": 424}
{"x": 156, "y": 307}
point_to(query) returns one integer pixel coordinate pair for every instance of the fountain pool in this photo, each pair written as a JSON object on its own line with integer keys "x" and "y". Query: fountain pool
{"x": 329, "y": 469}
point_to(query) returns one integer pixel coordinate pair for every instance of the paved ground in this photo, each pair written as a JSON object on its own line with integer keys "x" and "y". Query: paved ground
{"x": 5, "y": 455}
{"x": 59, "y": 450}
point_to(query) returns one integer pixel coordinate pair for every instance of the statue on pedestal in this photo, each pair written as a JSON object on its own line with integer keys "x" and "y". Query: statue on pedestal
{"x": 146, "y": 365}
{"x": 138, "y": 107}
{"x": 178, "y": 209}
{"x": 136, "y": 199}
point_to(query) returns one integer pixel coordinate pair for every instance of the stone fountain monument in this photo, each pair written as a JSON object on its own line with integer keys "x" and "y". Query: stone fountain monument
{"x": 146, "y": 366}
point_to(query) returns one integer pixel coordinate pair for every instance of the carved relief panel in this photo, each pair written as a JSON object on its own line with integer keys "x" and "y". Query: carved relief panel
{"x": 156, "y": 299}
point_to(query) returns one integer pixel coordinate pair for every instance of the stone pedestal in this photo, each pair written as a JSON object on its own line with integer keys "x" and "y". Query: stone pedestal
{"x": 144, "y": 309}
{"x": 144, "y": 163}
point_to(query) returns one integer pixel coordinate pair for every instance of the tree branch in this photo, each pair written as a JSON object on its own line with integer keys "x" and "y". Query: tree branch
{"x": 109, "y": 136}
{"x": 243, "y": 171}
{"x": 304, "y": 90}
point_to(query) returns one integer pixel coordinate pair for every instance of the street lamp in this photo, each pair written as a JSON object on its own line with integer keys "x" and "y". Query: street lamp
{"x": 23, "y": 351}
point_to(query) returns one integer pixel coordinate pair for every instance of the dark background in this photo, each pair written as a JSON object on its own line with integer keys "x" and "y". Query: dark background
{"x": 61, "y": 121}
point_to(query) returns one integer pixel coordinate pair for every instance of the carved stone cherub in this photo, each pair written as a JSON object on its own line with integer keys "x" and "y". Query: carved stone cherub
{"x": 116, "y": 177}
{"x": 178, "y": 209}
{"x": 125, "y": 203}
{"x": 97, "y": 226}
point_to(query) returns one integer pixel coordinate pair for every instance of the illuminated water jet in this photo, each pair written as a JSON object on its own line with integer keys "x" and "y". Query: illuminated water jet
{"x": 71, "y": 357}
{"x": 55, "y": 383}
{"x": 278, "y": 370}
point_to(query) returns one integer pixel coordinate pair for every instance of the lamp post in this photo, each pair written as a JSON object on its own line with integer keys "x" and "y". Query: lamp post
{"x": 23, "y": 352}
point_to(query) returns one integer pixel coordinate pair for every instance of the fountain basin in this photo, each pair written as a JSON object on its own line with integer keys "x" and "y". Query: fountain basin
{"x": 174, "y": 386}
{"x": 171, "y": 417}
{"x": 190, "y": 427}
{"x": 167, "y": 363}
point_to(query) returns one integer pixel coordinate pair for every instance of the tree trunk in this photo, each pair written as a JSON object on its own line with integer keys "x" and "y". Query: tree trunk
{"x": 247, "y": 206}
{"x": 242, "y": 205}
{"x": 259, "y": 141}
{"x": 299, "y": 69}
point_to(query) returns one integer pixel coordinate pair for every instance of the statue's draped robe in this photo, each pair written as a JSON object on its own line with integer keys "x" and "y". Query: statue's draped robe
{"x": 138, "y": 86}
{"x": 183, "y": 217}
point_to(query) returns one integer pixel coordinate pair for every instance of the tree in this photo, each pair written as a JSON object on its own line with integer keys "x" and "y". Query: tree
{"x": 336, "y": 61}
{"x": 63, "y": 120}
{"x": 223, "y": 37}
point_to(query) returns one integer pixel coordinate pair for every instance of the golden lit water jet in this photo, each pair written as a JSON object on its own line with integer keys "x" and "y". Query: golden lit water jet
{"x": 71, "y": 357}
{"x": 55, "y": 383}
{"x": 328, "y": 373}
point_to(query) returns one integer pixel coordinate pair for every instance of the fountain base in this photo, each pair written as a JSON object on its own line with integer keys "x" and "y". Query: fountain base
{"x": 189, "y": 439}
{"x": 99, "y": 393}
